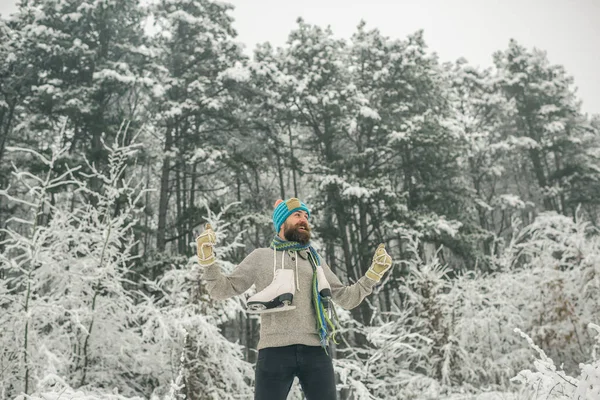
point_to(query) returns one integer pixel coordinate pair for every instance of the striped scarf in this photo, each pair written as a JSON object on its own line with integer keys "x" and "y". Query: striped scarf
{"x": 323, "y": 320}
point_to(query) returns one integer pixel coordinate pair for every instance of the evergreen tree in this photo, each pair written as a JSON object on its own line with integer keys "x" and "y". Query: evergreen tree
{"x": 548, "y": 125}
{"x": 198, "y": 65}
{"x": 87, "y": 62}
{"x": 482, "y": 116}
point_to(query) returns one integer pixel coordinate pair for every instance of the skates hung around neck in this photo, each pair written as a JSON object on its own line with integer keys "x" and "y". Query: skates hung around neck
{"x": 276, "y": 297}
{"x": 279, "y": 295}
{"x": 323, "y": 287}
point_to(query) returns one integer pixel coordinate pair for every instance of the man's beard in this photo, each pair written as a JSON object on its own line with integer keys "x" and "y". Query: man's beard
{"x": 293, "y": 234}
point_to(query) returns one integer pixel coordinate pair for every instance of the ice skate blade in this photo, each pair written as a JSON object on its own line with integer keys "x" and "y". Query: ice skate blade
{"x": 271, "y": 310}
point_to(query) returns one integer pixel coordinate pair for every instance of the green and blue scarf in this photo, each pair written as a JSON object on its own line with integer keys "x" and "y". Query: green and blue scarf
{"x": 323, "y": 320}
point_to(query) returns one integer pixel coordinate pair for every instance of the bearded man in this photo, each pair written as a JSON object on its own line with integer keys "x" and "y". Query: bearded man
{"x": 294, "y": 291}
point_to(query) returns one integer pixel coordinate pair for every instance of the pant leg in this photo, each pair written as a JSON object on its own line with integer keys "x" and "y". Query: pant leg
{"x": 275, "y": 371}
{"x": 316, "y": 374}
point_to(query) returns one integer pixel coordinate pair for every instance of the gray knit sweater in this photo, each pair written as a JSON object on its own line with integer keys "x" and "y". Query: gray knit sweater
{"x": 284, "y": 328}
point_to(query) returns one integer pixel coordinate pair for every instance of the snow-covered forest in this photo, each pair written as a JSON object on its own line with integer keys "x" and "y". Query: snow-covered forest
{"x": 125, "y": 126}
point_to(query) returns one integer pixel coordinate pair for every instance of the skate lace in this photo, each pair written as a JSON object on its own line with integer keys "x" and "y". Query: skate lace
{"x": 283, "y": 265}
{"x": 297, "y": 281}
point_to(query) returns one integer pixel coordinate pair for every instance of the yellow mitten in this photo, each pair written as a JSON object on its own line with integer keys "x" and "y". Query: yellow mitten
{"x": 206, "y": 242}
{"x": 381, "y": 263}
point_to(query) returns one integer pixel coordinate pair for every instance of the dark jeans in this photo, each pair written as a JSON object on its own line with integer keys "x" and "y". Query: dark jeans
{"x": 276, "y": 368}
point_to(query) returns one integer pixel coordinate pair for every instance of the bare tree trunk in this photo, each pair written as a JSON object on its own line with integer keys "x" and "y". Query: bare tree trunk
{"x": 178, "y": 205}
{"x": 163, "y": 202}
{"x": 238, "y": 187}
{"x": 86, "y": 341}
{"x": 538, "y": 169}
{"x": 364, "y": 258}
{"x": 147, "y": 204}
{"x": 5, "y": 125}
{"x": 292, "y": 162}
{"x": 192, "y": 205}
{"x": 562, "y": 201}
{"x": 408, "y": 183}
{"x": 26, "y": 334}
{"x": 280, "y": 175}
{"x": 329, "y": 240}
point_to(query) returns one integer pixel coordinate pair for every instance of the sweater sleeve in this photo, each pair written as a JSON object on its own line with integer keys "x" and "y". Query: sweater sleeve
{"x": 220, "y": 286}
{"x": 349, "y": 296}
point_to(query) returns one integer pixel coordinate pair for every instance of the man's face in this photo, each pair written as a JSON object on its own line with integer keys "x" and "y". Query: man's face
{"x": 296, "y": 228}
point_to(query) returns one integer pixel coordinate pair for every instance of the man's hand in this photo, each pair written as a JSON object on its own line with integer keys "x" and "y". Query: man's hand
{"x": 381, "y": 263}
{"x": 206, "y": 242}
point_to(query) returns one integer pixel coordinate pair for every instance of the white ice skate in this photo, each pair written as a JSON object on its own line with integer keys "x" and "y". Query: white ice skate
{"x": 323, "y": 287}
{"x": 276, "y": 297}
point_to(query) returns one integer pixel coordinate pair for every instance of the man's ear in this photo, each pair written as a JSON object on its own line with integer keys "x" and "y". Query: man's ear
{"x": 278, "y": 202}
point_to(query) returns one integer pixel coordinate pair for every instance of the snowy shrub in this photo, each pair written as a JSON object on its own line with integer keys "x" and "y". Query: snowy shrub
{"x": 448, "y": 337}
{"x": 558, "y": 257}
{"x": 411, "y": 348}
{"x": 550, "y": 382}
{"x": 545, "y": 285}
{"x": 483, "y": 311}
{"x": 65, "y": 297}
{"x": 182, "y": 318}
{"x": 77, "y": 320}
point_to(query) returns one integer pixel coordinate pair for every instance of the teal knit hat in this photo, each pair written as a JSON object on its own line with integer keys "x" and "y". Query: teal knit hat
{"x": 283, "y": 209}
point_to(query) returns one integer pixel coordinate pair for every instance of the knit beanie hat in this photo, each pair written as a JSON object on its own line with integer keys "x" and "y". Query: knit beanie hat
{"x": 283, "y": 209}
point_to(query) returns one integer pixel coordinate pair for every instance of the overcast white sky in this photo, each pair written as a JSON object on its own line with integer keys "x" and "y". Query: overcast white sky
{"x": 569, "y": 30}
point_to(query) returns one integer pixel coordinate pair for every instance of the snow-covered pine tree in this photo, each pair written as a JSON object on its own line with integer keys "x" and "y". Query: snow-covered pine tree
{"x": 10, "y": 90}
{"x": 83, "y": 68}
{"x": 548, "y": 127}
{"x": 482, "y": 116}
{"x": 15, "y": 85}
{"x": 197, "y": 67}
